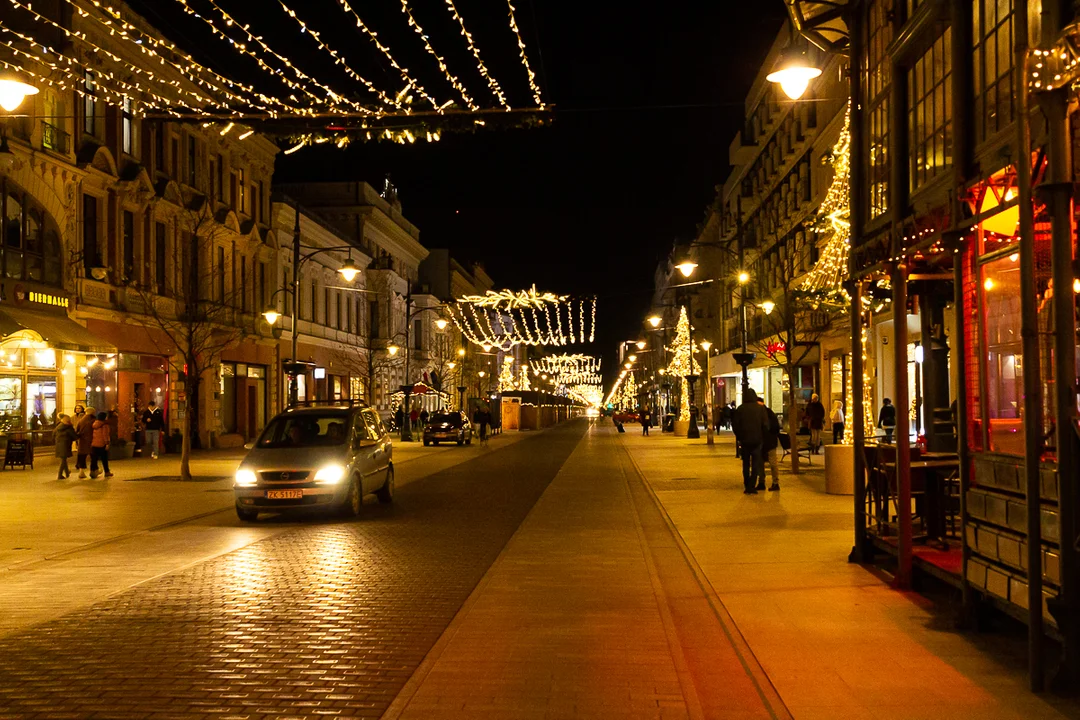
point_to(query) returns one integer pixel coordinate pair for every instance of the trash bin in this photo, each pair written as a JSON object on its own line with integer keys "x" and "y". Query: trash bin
{"x": 669, "y": 423}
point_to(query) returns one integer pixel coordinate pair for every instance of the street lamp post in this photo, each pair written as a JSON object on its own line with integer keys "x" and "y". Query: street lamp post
{"x": 744, "y": 358}
{"x": 348, "y": 271}
{"x": 709, "y": 421}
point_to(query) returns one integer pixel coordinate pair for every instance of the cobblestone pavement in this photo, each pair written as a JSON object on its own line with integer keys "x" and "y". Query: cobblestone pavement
{"x": 325, "y": 620}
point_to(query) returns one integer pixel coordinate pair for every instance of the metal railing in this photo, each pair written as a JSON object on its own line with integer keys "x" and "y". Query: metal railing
{"x": 54, "y": 138}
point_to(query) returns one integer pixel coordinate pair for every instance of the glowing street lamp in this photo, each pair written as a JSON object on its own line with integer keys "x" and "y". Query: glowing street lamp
{"x": 349, "y": 270}
{"x": 392, "y": 349}
{"x": 640, "y": 344}
{"x": 743, "y": 277}
{"x": 794, "y": 71}
{"x": 271, "y": 315}
{"x": 686, "y": 267}
{"x": 768, "y": 306}
{"x": 13, "y": 92}
{"x": 441, "y": 323}
{"x": 633, "y": 358}
{"x": 461, "y": 352}
{"x": 705, "y": 345}
{"x": 654, "y": 320}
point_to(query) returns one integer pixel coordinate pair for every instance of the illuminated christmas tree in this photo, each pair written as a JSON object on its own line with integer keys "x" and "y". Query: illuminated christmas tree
{"x": 523, "y": 380}
{"x": 629, "y": 393}
{"x": 824, "y": 282}
{"x": 682, "y": 361}
{"x": 506, "y": 375}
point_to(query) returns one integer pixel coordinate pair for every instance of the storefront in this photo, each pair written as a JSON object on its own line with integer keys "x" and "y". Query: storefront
{"x": 243, "y": 394}
{"x": 45, "y": 359}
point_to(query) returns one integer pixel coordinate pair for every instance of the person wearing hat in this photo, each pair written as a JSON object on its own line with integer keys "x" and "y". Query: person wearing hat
{"x": 99, "y": 446}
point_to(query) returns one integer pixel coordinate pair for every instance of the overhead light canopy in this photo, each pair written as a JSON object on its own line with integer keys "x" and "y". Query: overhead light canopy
{"x": 794, "y": 71}
{"x": 13, "y": 92}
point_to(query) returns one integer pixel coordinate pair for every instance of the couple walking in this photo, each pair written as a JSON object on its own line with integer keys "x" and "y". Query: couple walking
{"x": 757, "y": 431}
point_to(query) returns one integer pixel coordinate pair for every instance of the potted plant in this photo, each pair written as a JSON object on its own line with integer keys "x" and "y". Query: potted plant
{"x": 121, "y": 449}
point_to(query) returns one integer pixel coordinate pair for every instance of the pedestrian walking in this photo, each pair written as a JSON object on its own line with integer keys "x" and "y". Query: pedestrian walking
{"x": 99, "y": 447}
{"x": 887, "y": 419}
{"x": 399, "y": 419}
{"x": 646, "y": 419}
{"x": 84, "y": 429}
{"x": 423, "y": 417}
{"x": 153, "y": 421}
{"x": 815, "y": 416}
{"x": 484, "y": 418}
{"x": 64, "y": 436}
{"x": 837, "y": 418}
{"x": 768, "y": 450}
{"x": 751, "y": 424}
{"x": 414, "y": 417}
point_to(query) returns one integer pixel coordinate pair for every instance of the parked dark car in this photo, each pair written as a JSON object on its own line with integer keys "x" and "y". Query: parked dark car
{"x": 449, "y": 426}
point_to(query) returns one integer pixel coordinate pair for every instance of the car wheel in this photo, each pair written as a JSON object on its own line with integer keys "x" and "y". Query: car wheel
{"x": 386, "y": 492}
{"x": 354, "y": 499}
{"x": 426, "y": 442}
{"x": 461, "y": 438}
{"x": 247, "y": 515}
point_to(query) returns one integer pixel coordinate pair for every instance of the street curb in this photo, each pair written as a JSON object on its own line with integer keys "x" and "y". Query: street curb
{"x": 768, "y": 693}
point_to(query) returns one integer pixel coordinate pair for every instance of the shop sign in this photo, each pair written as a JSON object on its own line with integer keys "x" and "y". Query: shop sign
{"x": 774, "y": 348}
{"x": 20, "y": 296}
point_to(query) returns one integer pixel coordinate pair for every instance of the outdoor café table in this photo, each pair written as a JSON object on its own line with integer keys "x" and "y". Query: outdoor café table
{"x": 937, "y": 474}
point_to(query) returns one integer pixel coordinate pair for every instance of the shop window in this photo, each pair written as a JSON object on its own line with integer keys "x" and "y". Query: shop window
{"x": 89, "y": 104}
{"x": 992, "y": 61}
{"x": 127, "y": 126}
{"x": 1000, "y": 283}
{"x": 930, "y": 112}
{"x": 11, "y": 405}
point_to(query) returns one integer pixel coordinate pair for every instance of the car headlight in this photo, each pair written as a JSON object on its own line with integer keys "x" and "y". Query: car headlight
{"x": 331, "y": 474}
{"x": 246, "y": 478}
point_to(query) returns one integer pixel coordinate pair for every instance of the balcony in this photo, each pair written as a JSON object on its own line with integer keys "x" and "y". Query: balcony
{"x": 54, "y": 138}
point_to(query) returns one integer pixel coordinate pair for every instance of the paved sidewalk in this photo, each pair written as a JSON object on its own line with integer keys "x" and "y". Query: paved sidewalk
{"x": 590, "y": 612}
{"x": 834, "y": 639}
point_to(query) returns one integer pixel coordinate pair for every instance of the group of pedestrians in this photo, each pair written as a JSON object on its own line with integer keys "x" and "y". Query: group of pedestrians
{"x": 91, "y": 434}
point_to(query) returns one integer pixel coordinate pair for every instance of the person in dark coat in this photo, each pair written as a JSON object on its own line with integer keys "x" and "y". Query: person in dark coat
{"x": 751, "y": 425}
{"x": 423, "y": 418}
{"x": 64, "y": 435}
{"x": 84, "y": 429}
{"x": 153, "y": 423}
{"x": 768, "y": 450}
{"x": 815, "y": 418}
{"x": 886, "y": 419}
{"x": 646, "y": 420}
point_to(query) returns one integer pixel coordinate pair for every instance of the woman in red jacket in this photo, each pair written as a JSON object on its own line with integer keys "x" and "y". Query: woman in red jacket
{"x": 99, "y": 446}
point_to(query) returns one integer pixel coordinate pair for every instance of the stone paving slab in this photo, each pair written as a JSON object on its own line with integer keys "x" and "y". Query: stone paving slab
{"x": 323, "y": 620}
{"x": 834, "y": 639}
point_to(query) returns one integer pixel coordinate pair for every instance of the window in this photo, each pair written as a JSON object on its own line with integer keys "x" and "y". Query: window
{"x": 347, "y": 324}
{"x": 191, "y": 167}
{"x": 214, "y": 191}
{"x": 930, "y": 112}
{"x": 174, "y": 159}
{"x": 260, "y": 288}
{"x": 233, "y": 197}
{"x": 314, "y": 302}
{"x": 91, "y": 256}
{"x": 242, "y": 187}
{"x": 220, "y": 178}
{"x": 127, "y": 127}
{"x": 244, "y": 284}
{"x": 1000, "y": 284}
{"x": 147, "y": 258}
{"x": 159, "y": 257}
{"x": 89, "y": 104}
{"x": 373, "y": 319}
{"x": 129, "y": 246}
{"x": 876, "y": 81}
{"x": 258, "y": 202}
{"x": 992, "y": 56}
{"x": 220, "y": 274}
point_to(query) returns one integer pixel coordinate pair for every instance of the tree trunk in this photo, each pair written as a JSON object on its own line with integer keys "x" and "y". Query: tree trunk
{"x": 793, "y": 419}
{"x": 185, "y": 446}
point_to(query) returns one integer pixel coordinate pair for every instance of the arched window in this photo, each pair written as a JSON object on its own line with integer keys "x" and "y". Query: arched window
{"x": 31, "y": 239}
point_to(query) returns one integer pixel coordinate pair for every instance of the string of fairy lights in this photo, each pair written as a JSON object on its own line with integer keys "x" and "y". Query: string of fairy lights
{"x": 98, "y": 54}
{"x": 505, "y": 319}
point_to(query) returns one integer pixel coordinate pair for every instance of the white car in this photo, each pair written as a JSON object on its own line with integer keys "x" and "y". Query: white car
{"x": 316, "y": 457}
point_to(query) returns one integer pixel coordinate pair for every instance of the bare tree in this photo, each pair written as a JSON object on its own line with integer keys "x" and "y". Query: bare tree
{"x": 197, "y": 319}
{"x": 368, "y": 358}
{"x": 792, "y": 320}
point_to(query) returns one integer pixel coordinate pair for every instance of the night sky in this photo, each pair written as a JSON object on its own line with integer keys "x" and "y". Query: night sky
{"x": 647, "y": 101}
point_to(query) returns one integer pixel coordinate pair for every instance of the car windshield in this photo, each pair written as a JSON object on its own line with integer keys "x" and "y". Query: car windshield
{"x": 440, "y": 418}
{"x": 306, "y": 430}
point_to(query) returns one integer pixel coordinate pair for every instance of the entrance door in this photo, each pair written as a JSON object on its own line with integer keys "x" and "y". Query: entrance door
{"x": 41, "y": 402}
{"x": 251, "y": 428}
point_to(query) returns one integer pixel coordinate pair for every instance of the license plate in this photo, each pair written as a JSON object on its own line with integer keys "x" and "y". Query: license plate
{"x": 284, "y": 494}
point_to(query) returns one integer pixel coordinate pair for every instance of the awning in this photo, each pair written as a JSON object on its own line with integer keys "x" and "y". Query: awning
{"x": 59, "y": 331}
